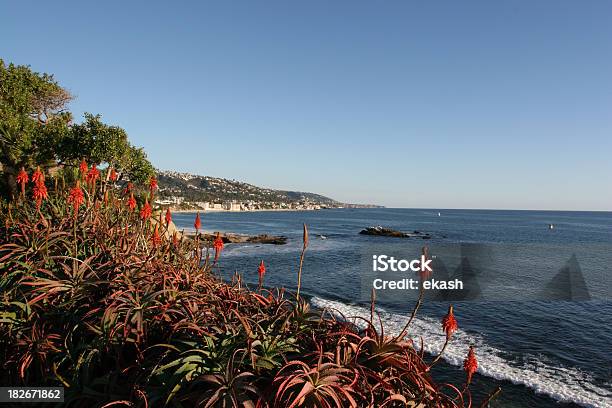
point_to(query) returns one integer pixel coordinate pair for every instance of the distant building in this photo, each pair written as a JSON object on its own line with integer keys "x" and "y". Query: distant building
{"x": 231, "y": 206}
{"x": 172, "y": 200}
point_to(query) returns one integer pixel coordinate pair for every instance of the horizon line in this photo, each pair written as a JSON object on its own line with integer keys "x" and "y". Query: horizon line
{"x": 474, "y": 209}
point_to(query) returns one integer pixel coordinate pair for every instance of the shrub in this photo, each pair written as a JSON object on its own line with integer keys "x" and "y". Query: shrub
{"x": 105, "y": 302}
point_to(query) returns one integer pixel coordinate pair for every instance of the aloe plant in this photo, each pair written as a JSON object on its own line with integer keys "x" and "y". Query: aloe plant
{"x": 90, "y": 301}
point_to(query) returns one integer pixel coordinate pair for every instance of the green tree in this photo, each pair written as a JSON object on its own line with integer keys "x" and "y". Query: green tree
{"x": 97, "y": 142}
{"x": 36, "y": 129}
{"x": 33, "y": 118}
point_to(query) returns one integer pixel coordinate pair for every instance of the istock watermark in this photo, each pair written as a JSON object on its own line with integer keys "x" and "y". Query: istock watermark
{"x": 400, "y": 271}
{"x": 386, "y": 263}
{"x": 383, "y": 263}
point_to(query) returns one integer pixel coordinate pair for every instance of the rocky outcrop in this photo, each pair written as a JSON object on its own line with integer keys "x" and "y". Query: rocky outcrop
{"x": 267, "y": 239}
{"x": 232, "y": 238}
{"x": 389, "y": 232}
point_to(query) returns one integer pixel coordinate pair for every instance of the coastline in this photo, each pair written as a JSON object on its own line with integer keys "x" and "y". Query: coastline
{"x": 195, "y": 210}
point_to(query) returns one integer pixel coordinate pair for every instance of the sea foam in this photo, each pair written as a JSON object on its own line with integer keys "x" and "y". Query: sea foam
{"x": 561, "y": 383}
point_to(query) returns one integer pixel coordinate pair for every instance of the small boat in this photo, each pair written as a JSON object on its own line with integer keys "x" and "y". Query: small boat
{"x": 551, "y": 226}
{"x": 439, "y": 214}
{"x": 322, "y": 237}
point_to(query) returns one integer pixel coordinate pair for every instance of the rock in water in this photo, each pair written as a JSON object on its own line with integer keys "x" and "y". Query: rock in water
{"x": 389, "y": 232}
{"x": 232, "y": 238}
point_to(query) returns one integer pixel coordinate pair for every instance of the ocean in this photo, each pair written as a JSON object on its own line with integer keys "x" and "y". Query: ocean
{"x": 539, "y": 311}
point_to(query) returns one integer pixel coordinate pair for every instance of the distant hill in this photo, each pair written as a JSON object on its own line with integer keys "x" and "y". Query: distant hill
{"x": 191, "y": 188}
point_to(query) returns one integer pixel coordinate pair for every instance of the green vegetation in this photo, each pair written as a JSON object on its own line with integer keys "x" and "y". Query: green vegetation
{"x": 36, "y": 129}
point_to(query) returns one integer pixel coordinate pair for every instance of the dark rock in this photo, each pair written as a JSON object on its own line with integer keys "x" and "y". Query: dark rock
{"x": 385, "y": 232}
{"x": 268, "y": 239}
{"x": 389, "y": 232}
{"x": 232, "y": 238}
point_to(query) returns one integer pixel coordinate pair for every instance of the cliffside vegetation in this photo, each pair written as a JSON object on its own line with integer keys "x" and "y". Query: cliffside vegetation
{"x": 195, "y": 188}
{"x": 37, "y": 129}
{"x": 96, "y": 296}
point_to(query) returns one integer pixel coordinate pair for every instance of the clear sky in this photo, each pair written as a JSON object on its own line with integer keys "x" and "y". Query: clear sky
{"x": 456, "y": 104}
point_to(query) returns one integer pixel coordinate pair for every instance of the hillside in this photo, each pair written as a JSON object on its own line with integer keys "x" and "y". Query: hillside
{"x": 195, "y": 191}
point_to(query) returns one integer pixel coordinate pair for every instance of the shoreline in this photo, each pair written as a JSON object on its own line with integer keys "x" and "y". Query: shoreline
{"x": 178, "y": 211}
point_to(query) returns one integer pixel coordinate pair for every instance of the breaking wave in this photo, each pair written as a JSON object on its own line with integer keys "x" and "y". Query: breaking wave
{"x": 560, "y": 383}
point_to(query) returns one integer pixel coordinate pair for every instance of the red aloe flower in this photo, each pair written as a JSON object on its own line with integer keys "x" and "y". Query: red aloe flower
{"x": 40, "y": 193}
{"x": 156, "y": 238}
{"x": 131, "y": 203}
{"x": 261, "y": 271}
{"x": 168, "y": 216}
{"x": 218, "y": 246}
{"x": 76, "y": 197}
{"x": 197, "y": 223}
{"x": 22, "y": 179}
{"x": 449, "y": 323}
{"x": 113, "y": 175}
{"x": 38, "y": 177}
{"x": 152, "y": 184}
{"x": 146, "y": 210}
{"x": 93, "y": 174}
{"x": 83, "y": 167}
{"x": 470, "y": 364}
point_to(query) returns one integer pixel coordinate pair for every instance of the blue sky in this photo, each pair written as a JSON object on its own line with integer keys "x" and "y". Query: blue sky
{"x": 474, "y": 104}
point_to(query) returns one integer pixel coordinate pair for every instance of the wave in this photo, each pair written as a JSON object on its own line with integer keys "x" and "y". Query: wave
{"x": 563, "y": 384}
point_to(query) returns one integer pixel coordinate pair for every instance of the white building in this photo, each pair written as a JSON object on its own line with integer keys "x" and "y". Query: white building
{"x": 231, "y": 206}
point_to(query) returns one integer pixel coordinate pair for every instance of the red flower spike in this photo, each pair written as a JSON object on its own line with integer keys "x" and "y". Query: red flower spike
{"x": 38, "y": 177}
{"x": 131, "y": 203}
{"x": 261, "y": 271}
{"x": 146, "y": 211}
{"x": 218, "y": 246}
{"x": 168, "y": 217}
{"x": 152, "y": 184}
{"x": 83, "y": 167}
{"x": 40, "y": 193}
{"x": 449, "y": 323}
{"x": 93, "y": 174}
{"x": 470, "y": 364}
{"x": 197, "y": 224}
{"x": 22, "y": 177}
{"x": 113, "y": 175}
{"x": 156, "y": 238}
{"x": 76, "y": 197}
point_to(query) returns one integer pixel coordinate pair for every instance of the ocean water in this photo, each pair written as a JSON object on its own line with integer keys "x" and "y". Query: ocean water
{"x": 542, "y": 316}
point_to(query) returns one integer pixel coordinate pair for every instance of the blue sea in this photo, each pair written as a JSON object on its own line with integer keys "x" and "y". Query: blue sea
{"x": 542, "y": 332}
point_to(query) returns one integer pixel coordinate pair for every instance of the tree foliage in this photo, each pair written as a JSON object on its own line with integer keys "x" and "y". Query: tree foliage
{"x": 32, "y": 116}
{"x": 98, "y": 142}
{"x": 36, "y": 128}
